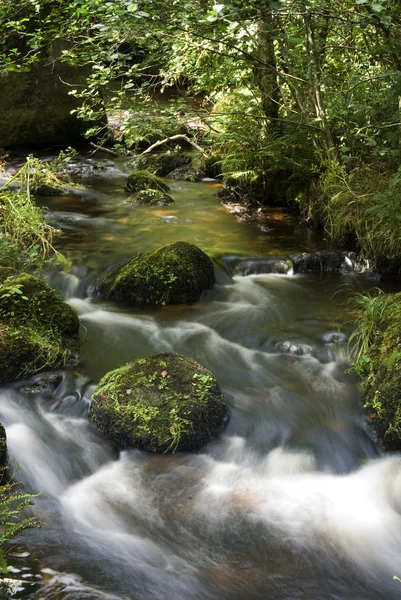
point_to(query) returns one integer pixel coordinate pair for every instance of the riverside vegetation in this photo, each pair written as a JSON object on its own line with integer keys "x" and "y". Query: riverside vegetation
{"x": 37, "y": 329}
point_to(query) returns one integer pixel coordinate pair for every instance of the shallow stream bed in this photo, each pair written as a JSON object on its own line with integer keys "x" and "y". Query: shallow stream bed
{"x": 293, "y": 501}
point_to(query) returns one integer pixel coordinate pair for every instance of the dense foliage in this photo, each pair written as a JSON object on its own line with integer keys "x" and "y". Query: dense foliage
{"x": 284, "y": 91}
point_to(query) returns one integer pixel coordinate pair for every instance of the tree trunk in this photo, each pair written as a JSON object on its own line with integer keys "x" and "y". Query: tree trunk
{"x": 315, "y": 71}
{"x": 266, "y": 70}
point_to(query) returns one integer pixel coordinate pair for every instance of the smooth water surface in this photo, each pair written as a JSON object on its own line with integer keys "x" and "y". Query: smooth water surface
{"x": 292, "y": 501}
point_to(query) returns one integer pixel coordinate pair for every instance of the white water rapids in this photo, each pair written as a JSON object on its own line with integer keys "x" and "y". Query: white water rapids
{"x": 292, "y": 501}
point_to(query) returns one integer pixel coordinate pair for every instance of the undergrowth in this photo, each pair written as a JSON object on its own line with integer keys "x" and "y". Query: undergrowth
{"x": 12, "y": 503}
{"x": 371, "y": 307}
{"x": 361, "y": 208}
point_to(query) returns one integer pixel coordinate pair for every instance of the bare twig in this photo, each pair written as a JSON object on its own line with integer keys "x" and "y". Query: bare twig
{"x": 103, "y": 149}
{"x": 179, "y": 136}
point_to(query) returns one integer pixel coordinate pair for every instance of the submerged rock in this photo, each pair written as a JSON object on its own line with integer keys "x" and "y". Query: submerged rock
{"x": 162, "y": 403}
{"x": 323, "y": 261}
{"x": 380, "y": 371}
{"x": 143, "y": 180}
{"x": 150, "y": 198}
{"x": 37, "y": 329}
{"x": 173, "y": 274}
{"x": 57, "y": 220}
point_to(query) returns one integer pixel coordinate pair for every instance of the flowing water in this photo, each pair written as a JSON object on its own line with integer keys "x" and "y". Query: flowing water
{"x": 294, "y": 499}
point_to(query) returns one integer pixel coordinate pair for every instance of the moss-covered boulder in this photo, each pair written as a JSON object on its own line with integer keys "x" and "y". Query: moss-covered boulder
{"x": 144, "y": 180}
{"x": 3, "y": 449}
{"x": 173, "y": 274}
{"x": 161, "y": 403}
{"x": 150, "y": 198}
{"x": 162, "y": 163}
{"x": 36, "y": 107}
{"x": 380, "y": 369}
{"x": 37, "y": 329}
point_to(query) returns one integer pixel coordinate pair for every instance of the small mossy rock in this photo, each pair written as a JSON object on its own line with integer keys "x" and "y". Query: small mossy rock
{"x": 150, "y": 198}
{"x": 173, "y": 274}
{"x": 381, "y": 379}
{"x": 161, "y": 164}
{"x": 46, "y": 189}
{"x": 162, "y": 403}
{"x": 186, "y": 173}
{"x": 3, "y": 448}
{"x": 44, "y": 386}
{"x": 37, "y": 329}
{"x": 143, "y": 180}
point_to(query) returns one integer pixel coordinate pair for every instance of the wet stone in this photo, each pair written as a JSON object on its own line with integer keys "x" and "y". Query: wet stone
{"x": 44, "y": 386}
{"x": 323, "y": 261}
{"x": 293, "y": 348}
{"x": 257, "y": 266}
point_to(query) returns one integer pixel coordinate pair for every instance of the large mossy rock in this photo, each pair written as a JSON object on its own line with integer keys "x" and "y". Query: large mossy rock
{"x": 174, "y": 274}
{"x": 381, "y": 374}
{"x": 161, "y": 403}
{"x": 37, "y": 329}
{"x": 138, "y": 181}
{"x": 36, "y": 106}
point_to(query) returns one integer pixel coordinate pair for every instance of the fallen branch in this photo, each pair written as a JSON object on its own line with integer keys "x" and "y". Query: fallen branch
{"x": 112, "y": 152}
{"x": 179, "y": 136}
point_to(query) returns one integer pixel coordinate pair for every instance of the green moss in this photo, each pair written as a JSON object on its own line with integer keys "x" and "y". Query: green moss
{"x": 143, "y": 180}
{"x": 150, "y": 198}
{"x": 3, "y": 447}
{"x": 37, "y": 329}
{"x": 176, "y": 273}
{"x": 162, "y": 403}
{"x": 380, "y": 371}
{"x": 161, "y": 164}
